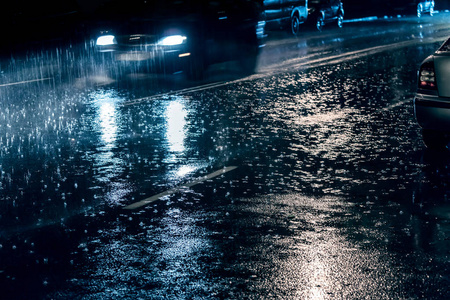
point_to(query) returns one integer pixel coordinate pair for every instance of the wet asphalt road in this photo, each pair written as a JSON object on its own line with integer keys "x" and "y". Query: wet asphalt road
{"x": 324, "y": 189}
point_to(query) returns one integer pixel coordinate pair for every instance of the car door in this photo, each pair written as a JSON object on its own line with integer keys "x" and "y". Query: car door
{"x": 334, "y": 8}
{"x": 221, "y": 18}
{"x": 331, "y": 8}
{"x": 289, "y": 5}
{"x": 326, "y": 9}
{"x": 273, "y": 10}
{"x": 442, "y": 71}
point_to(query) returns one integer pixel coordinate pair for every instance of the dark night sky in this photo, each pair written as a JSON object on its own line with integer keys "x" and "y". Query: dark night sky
{"x": 353, "y": 8}
{"x": 42, "y": 15}
{"x": 33, "y": 21}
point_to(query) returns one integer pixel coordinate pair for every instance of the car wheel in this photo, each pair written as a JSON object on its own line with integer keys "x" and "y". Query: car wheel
{"x": 435, "y": 140}
{"x": 319, "y": 23}
{"x": 340, "y": 21}
{"x": 419, "y": 11}
{"x": 295, "y": 24}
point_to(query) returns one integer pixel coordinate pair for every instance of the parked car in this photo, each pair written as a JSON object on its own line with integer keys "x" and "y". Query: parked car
{"x": 285, "y": 13}
{"x": 410, "y": 7}
{"x": 172, "y": 35}
{"x": 432, "y": 100}
{"x": 322, "y": 12}
{"x": 426, "y": 6}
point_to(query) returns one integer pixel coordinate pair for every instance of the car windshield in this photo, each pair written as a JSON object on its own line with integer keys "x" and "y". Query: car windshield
{"x": 151, "y": 7}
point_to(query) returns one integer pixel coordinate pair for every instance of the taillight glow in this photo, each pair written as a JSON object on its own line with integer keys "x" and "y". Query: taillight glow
{"x": 427, "y": 77}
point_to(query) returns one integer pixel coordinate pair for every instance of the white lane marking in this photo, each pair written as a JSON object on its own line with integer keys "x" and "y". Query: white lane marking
{"x": 178, "y": 188}
{"x": 25, "y": 81}
{"x": 339, "y": 58}
{"x": 392, "y": 106}
{"x": 179, "y": 92}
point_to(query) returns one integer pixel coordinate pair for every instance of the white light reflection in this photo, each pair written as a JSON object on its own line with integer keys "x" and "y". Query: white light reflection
{"x": 105, "y": 103}
{"x": 319, "y": 277}
{"x": 108, "y": 123}
{"x": 109, "y": 166}
{"x": 177, "y": 136}
{"x": 176, "y": 122}
{"x": 185, "y": 170}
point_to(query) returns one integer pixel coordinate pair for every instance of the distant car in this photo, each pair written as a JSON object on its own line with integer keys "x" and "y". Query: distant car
{"x": 180, "y": 35}
{"x": 432, "y": 100}
{"x": 426, "y": 6}
{"x": 285, "y": 13}
{"x": 322, "y": 12}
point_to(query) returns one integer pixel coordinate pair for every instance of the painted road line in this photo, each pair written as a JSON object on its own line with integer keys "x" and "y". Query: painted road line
{"x": 177, "y": 93}
{"x": 24, "y": 82}
{"x": 178, "y": 188}
{"x": 340, "y": 58}
{"x": 400, "y": 103}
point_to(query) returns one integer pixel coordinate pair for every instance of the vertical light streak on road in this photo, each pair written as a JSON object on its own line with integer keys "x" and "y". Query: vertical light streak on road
{"x": 177, "y": 189}
{"x": 106, "y": 124}
{"x": 176, "y": 116}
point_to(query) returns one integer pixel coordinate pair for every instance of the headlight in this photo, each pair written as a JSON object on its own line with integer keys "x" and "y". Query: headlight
{"x": 172, "y": 40}
{"x": 106, "y": 40}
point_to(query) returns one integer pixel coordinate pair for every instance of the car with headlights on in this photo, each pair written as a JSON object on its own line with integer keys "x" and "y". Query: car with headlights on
{"x": 432, "y": 100}
{"x": 173, "y": 36}
{"x": 321, "y": 12}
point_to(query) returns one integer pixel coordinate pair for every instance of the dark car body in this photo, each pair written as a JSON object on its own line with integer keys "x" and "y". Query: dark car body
{"x": 172, "y": 36}
{"x": 432, "y": 100}
{"x": 322, "y": 12}
{"x": 285, "y": 14}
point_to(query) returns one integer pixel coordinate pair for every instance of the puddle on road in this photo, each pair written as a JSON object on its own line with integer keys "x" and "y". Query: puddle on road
{"x": 321, "y": 133}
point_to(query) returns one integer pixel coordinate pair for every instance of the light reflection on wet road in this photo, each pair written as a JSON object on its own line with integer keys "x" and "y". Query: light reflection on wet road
{"x": 334, "y": 196}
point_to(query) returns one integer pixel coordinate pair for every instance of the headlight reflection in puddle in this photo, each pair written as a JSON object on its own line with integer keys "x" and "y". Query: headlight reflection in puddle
{"x": 109, "y": 166}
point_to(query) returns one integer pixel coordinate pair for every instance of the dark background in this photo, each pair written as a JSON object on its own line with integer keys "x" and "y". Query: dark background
{"x": 381, "y": 8}
{"x": 353, "y": 8}
{"x": 26, "y": 23}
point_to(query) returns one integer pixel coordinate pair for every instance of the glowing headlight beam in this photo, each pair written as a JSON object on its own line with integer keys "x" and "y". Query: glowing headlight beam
{"x": 106, "y": 40}
{"x": 172, "y": 40}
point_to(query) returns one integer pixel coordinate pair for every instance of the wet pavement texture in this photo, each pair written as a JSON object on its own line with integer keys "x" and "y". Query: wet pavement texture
{"x": 334, "y": 195}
